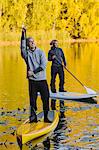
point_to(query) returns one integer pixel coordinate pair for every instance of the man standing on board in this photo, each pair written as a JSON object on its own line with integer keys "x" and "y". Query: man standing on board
{"x": 57, "y": 57}
{"x": 36, "y": 73}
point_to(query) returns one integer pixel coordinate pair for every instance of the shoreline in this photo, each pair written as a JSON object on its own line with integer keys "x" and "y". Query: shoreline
{"x": 15, "y": 43}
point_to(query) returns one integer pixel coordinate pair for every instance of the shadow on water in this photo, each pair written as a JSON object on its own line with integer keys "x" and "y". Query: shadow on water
{"x": 19, "y": 141}
{"x": 59, "y": 133}
{"x": 62, "y": 126}
{"x": 88, "y": 100}
{"x": 45, "y": 144}
{"x": 43, "y": 141}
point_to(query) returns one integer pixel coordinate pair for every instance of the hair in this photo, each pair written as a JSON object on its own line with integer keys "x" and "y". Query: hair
{"x": 53, "y": 42}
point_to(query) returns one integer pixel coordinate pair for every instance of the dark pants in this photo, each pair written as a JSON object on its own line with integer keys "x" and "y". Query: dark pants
{"x": 54, "y": 71}
{"x": 34, "y": 88}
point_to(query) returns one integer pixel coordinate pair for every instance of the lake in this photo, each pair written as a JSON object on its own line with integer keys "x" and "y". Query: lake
{"x": 78, "y": 127}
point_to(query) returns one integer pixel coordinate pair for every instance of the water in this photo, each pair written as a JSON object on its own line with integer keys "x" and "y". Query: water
{"x": 78, "y": 128}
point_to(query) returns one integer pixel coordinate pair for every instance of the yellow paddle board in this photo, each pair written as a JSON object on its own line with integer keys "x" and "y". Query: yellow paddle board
{"x": 37, "y": 140}
{"x": 29, "y": 131}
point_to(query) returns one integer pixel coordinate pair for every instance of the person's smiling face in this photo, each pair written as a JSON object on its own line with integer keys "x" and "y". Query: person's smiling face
{"x": 31, "y": 44}
{"x": 56, "y": 44}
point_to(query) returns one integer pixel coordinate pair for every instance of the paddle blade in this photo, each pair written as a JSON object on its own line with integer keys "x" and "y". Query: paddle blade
{"x": 89, "y": 91}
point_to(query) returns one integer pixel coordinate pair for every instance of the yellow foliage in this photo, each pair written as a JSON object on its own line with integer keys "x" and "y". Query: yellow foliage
{"x": 78, "y": 17}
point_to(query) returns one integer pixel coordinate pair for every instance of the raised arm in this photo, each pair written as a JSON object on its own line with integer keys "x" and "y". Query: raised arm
{"x": 23, "y": 44}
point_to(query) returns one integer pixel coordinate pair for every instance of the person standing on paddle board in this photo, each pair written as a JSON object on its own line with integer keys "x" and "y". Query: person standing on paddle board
{"x": 57, "y": 57}
{"x": 36, "y": 73}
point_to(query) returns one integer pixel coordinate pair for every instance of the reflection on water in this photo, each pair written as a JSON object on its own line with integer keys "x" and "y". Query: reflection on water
{"x": 79, "y": 124}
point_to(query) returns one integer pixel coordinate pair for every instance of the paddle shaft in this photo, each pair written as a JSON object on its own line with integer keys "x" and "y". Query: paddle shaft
{"x": 74, "y": 76}
{"x": 69, "y": 72}
{"x": 89, "y": 91}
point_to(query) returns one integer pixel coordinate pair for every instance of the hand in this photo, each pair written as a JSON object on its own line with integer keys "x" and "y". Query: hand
{"x": 23, "y": 28}
{"x": 31, "y": 73}
{"x": 53, "y": 57}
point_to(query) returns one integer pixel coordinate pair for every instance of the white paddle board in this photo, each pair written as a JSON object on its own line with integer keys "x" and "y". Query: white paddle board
{"x": 71, "y": 95}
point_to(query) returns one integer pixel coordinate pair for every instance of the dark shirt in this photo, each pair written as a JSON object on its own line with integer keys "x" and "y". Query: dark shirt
{"x": 59, "y": 56}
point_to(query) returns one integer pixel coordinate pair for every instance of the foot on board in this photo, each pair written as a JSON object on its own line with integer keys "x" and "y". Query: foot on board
{"x": 62, "y": 91}
{"x": 33, "y": 119}
{"x": 47, "y": 120}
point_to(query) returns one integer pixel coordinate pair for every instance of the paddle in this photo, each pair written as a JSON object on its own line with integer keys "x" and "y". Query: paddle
{"x": 89, "y": 91}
